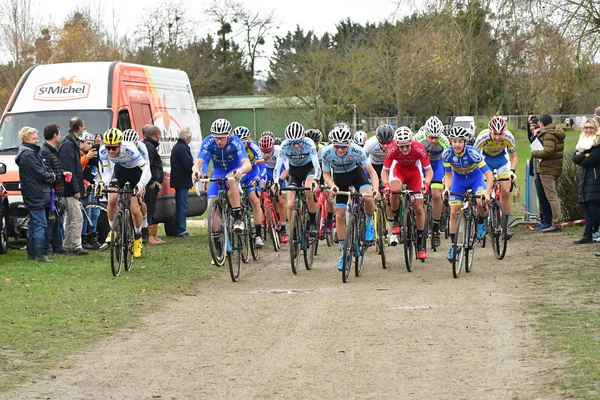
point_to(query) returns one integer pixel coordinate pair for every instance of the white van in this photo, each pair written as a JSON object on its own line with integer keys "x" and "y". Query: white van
{"x": 466, "y": 122}
{"x": 105, "y": 95}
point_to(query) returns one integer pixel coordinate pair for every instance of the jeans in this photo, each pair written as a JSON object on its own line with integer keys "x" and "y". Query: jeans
{"x": 545, "y": 209}
{"x": 36, "y": 227}
{"x": 93, "y": 213}
{"x": 592, "y": 218}
{"x": 55, "y": 233}
{"x": 181, "y": 207}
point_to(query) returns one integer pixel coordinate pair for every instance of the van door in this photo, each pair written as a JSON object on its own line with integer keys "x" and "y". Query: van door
{"x": 142, "y": 115}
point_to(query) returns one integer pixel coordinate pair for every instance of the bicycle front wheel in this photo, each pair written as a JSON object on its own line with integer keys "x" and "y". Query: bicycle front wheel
{"x": 127, "y": 239}
{"x": 310, "y": 245}
{"x": 295, "y": 240}
{"x": 216, "y": 231}
{"x": 471, "y": 235}
{"x": 408, "y": 235}
{"x": 498, "y": 230}
{"x": 234, "y": 255}
{"x": 380, "y": 221}
{"x": 116, "y": 248}
{"x": 359, "y": 245}
{"x": 347, "y": 250}
{"x": 459, "y": 245}
{"x": 272, "y": 229}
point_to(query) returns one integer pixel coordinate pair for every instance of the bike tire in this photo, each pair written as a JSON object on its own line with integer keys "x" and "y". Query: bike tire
{"x": 128, "y": 238}
{"x": 381, "y": 235}
{"x": 359, "y": 245}
{"x": 459, "y": 241}
{"x": 308, "y": 249}
{"x": 245, "y": 250}
{"x": 294, "y": 240}
{"x": 427, "y": 229}
{"x": 320, "y": 228}
{"x": 408, "y": 237}
{"x": 347, "y": 250}
{"x": 116, "y": 251}
{"x": 272, "y": 229}
{"x": 3, "y": 233}
{"x": 217, "y": 240}
{"x": 255, "y": 251}
{"x": 498, "y": 230}
{"x": 471, "y": 235}
{"x": 234, "y": 257}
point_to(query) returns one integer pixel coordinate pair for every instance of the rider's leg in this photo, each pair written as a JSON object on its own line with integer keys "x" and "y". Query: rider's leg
{"x": 111, "y": 208}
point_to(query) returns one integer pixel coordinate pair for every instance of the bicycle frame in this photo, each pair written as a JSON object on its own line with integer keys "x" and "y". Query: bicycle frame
{"x": 299, "y": 239}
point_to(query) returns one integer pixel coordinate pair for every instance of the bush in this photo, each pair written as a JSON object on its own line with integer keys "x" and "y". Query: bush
{"x": 568, "y": 184}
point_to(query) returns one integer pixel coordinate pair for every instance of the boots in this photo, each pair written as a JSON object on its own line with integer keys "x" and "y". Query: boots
{"x": 85, "y": 241}
{"x": 145, "y": 235}
{"x": 39, "y": 244}
{"x": 30, "y": 249}
{"x": 153, "y": 238}
{"x": 94, "y": 243}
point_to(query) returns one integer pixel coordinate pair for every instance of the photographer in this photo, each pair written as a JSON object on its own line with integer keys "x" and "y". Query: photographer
{"x": 89, "y": 164}
{"x": 545, "y": 209}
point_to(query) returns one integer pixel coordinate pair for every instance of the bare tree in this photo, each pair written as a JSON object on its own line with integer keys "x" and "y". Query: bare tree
{"x": 19, "y": 30}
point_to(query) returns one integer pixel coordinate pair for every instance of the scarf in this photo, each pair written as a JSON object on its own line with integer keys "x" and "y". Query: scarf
{"x": 586, "y": 142}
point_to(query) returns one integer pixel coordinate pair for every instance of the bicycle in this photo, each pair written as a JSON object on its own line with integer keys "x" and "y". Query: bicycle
{"x": 250, "y": 232}
{"x": 497, "y": 225}
{"x": 464, "y": 244}
{"x": 224, "y": 242}
{"x": 409, "y": 226}
{"x": 270, "y": 216}
{"x": 354, "y": 241}
{"x": 299, "y": 238}
{"x": 122, "y": 236}
{"x": 381, "y": 230}
{"x": 321, "y": 215}
{"x": 428, "y": 229}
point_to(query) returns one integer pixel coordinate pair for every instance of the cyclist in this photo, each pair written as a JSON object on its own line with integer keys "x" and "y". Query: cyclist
{"x": 122, "y": 162}
{"x": 377, "y": 146}
{"x": 346, "y": 159}
{"x": 271, "y": 151}
{"x": 131, "y": 136}
{"x": 267, "y": 133}
{"x": 435, "y": 142}
{"x": 316, "y": 137}
{"x": 256, "y": 157}
{"x": 360, "y": 138}
{"x": 497, "y": 145}
{"x": 301, "y": 153}
{"x": 465, "y": 169}
{"x": 407, "y": 153}
{"x": 229, "y": 159}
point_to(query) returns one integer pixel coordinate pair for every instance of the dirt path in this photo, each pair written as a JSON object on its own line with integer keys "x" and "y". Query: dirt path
{"x": 387, "y": 334}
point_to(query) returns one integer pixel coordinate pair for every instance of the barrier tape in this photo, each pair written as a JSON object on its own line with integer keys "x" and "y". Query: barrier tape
{"x": 570, "y": 223}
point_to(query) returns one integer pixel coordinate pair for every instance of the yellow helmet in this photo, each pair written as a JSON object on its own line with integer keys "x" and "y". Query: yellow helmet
{"x": 112, "y": 136}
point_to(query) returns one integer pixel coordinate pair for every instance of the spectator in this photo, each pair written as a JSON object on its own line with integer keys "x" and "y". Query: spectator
{"x": 70, "y": 161}
{"x": 181, "y": 179}
{"x": 56, "y": 218}
{"x": 89, "y": 162}
{"x": 151, "y": 139}
{"x": 545, "y": 209}
{"x": 36, "y": 184}
{"x": 549, "y": 165}
{"x": 587, "y": 155}
{"x": 597, "y": 115}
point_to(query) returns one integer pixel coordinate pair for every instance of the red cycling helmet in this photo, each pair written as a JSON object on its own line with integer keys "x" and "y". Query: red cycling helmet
{"x": 497, "y": 125}
{"x": 266, "y": 143}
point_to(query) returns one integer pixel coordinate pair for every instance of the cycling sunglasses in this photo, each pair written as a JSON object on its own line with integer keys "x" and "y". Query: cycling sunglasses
{"x": 112, "y": 148}
{"x": 340, "y": 146}
{"x": 296, "y": 142}
{"x": 386, "y": 142}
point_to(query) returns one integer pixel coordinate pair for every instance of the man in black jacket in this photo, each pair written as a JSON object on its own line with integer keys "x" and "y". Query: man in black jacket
{"x": 70, "y": 160}
{"x": 54, "y": 232}
{"x": 36, "y": 183}
{"x": 151, "y": 138}
{"x": 181, "y": 179}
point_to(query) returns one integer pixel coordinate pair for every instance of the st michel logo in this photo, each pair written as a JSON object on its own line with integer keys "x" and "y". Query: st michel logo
{"x": 62, "y": 90}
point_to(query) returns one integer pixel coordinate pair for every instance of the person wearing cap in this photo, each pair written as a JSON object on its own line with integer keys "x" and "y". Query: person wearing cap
{"x": 70, "y": 161}
{"x": 89, "y": 164}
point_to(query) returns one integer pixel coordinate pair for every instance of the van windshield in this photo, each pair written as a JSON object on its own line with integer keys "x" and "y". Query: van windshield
{"x": 96, "y": 121}
{"x": 463, "y": 124}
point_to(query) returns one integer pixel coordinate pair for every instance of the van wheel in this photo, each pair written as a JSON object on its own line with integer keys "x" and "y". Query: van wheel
{"x": 170, "y": 227}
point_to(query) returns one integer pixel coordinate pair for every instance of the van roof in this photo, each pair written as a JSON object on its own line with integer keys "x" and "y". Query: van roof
{"x": 464, "y": 118}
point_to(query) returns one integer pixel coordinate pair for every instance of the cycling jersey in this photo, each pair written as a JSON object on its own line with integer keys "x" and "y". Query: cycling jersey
{"x": 354, "y": 157}
{"x": 486, "y": 145}
{"x": 298, "y": 158}
{"x": 434, "y": 151}
{"x": 227, "y": 158}
{"x": 257, "y": 159}
{"x": 129, "y": 157}
{"x": 470, "y": 161}
{"x": 409, "y": 161}
{"x": 374, "y": 151}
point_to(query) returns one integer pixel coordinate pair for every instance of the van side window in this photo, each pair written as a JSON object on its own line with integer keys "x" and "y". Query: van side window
{"x": 123, "y": 122}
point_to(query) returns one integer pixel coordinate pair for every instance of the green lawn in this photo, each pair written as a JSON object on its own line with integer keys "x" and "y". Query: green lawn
{"x": 50, "y": 311}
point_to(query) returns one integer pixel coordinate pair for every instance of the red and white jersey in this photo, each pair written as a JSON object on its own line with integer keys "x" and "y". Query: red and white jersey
{"x": 416, "y": 154}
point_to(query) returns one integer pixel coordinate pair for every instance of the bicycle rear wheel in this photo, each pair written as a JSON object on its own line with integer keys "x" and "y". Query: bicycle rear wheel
{"x": 320, "y": 227}
{"x": 217, "y": 233}
{"x": 498, "y": 230}
{"x": 471, "y": 235}
{"x": 128, "y": 239}
{"x": 116, "y": 248}
{"x": 459, "y": 244}
{"x": 234, "y": 254}
{"x": 251, "y": 237}
{"x": 408, "y": 235}
{"x": 380, "y": 222}
{"x": 428, "y": 228}
{"x": 272, "y": 229}
{"x": 347, "y": 250}
{"x": 295, "y": 240}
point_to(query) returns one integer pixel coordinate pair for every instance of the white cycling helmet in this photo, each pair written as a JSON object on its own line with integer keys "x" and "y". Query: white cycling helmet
{"x": 360, "y": 138}
{"x": 131, "y": 136}
{"x": 294, "y": 131}
{"x": 458, "y": 132}
{"x": 340, "y": 135}
{"x": 85, "y": 136}
{"x": 434, "y": 127}
{"x": 242, "y": 132}
{"x": 267, "y": 133}
{"x": 220, "y": 127}
{"x": 497, "y": 125}
{"x": 403, "y": 135}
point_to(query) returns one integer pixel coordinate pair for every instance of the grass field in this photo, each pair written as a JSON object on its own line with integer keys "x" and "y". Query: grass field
{"x": 50, "y": 311}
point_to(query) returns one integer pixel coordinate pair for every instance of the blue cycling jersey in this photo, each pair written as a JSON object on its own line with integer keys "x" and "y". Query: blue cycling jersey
{"x": 227, "y": 158}
{"x": 257, "y": 159}
{"x": 354, "y": 158}
{"x": 466, "y": 163}
{"x": 297, "y": 158}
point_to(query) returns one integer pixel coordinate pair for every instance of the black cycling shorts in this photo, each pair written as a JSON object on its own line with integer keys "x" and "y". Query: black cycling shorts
{"x": 123, "y": 175}
{"x": 343, "y": 181}
{"x": 298, "y": 174}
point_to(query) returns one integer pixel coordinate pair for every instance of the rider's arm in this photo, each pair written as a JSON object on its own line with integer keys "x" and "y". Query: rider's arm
{"x": 327, "y": 178}
{"x": 489, "y": 183}
{"x": 385, "y": 175}
{"x": 146, "y": 174}
{"x": 514, "y": 159}
{"x": 280, "y": 159}
{"x": 448, "y": 181}
{"x": 106, "y": 167}
{"x": 428, "y": 175}
{"x": 373, "y": 176}
{"x": 314, "y": 157}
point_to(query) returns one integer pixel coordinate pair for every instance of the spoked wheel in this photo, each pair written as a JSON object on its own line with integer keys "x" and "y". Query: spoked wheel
{"x": 3, "y": 233}
{"x": 217, "y": 231}
{"x": 471, "y": 237}
{"x": 309, "y": 248}
{"x": 498, "y": 230}
{"x": 359, "y": 247}
{"x": 234, "y": 254}
{"x": 348, "y": 247}
{"x": 329, "y": 236}
{"x": 409, "y": 236}
{"x": 295, "y": 241}
{"x": 116, "y": 248}
{"x": 380, "y": 221}
{"x": 128, "y": 240}
{"x": 272, "y": 230}
{"x": 458, "y": 245}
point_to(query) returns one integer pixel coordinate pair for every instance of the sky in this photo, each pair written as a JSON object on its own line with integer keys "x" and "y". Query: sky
{"x": 318, "y": 15}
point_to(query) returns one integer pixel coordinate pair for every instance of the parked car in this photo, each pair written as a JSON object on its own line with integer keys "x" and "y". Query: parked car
{"x": 466, "y": 122}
